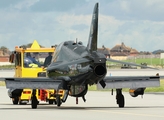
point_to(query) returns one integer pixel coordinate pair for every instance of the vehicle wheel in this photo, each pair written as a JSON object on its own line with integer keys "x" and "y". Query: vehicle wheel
{"x": 120, "y": 101}
{"x": 34, "y": 102}
{"x": 58, "y": 101}
{"x": 55, "y": 102}
{"x": 21, "y": 102}
{"x": 50, "y": 101}
{"x": 15, "y": 100}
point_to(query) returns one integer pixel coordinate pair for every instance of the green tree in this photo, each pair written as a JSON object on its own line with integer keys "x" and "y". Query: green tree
{"x": 4, "y": 50}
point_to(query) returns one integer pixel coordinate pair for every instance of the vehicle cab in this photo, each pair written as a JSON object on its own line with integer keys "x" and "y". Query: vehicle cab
{"x": 31, "y": 62}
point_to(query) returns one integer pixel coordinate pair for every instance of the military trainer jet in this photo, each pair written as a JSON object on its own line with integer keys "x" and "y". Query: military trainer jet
{"x": 75, "y": 66}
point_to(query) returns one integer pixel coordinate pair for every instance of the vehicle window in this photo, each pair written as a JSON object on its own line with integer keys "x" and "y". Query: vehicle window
{"x": 18, "y": 59}
{"x": 37, "y": 59}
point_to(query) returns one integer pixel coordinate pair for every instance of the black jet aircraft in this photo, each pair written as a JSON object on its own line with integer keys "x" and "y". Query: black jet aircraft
{"x": 75, "y": 66}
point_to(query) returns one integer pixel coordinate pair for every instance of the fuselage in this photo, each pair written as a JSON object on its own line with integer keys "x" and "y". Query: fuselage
{"x": 73, "y": 60}
{"x": 79, "y": 66}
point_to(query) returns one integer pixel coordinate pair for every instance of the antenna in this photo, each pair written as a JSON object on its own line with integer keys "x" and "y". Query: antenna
{"x": 76, "y": 40}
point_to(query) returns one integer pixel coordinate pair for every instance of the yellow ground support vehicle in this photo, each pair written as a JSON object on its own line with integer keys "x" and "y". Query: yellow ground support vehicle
{"x": 26, "y": 67}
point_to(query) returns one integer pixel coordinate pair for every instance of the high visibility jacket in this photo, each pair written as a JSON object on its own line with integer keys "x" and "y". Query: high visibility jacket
{"x": 33, "y": 65}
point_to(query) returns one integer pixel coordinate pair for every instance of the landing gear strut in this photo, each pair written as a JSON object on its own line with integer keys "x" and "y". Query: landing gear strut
{"x": 34, "y": 101}
{"x": 64, "y": 87}
{"x": 58, "y": 100}
{"x": 120, "y": 98}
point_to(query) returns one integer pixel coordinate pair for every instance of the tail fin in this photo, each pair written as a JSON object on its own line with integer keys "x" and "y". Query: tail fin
{"x": 92, "y": 41}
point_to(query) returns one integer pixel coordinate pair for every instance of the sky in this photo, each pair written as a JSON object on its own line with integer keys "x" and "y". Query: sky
{"x": 137, "y": 23}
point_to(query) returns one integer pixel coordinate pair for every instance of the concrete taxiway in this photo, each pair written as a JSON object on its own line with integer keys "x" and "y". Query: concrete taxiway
{"x": 100, "y": 105}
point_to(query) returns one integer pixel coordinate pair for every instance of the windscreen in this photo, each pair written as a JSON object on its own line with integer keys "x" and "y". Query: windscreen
{"x": 37, "y": 59}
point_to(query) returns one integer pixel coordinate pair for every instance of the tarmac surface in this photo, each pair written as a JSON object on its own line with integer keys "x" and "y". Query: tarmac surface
{"x": 100, "y": 105}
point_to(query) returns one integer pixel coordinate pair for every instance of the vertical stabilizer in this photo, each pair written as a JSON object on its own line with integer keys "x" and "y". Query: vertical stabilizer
{"x": 92, "y": 41}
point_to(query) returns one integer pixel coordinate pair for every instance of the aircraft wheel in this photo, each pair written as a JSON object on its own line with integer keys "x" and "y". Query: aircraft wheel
{"x": 120, "y": 100}
{"x": 58, "y": 101}
{"x": 15, "y": 100}
{"x": 34, "y": 102}
{"x": 50, "y": 101}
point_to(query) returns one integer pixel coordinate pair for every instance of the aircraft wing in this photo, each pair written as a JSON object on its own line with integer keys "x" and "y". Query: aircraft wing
{"x": 32, "y": 83}
{"x": 128, "y": 63}
{"x": 129, "y": 82}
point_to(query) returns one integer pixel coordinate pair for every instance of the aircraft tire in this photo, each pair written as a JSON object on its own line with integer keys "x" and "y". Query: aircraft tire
{"x": 58, "y": 101}
{"x": 120, "y": 101}
{"x": 34, "y": 102}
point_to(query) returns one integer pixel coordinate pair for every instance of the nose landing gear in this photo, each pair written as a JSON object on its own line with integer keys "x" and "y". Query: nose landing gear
{"x": 58, "y": 100}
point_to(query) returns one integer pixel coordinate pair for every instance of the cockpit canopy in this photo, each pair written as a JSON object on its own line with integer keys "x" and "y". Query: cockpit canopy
{"x": 68, "y": 51}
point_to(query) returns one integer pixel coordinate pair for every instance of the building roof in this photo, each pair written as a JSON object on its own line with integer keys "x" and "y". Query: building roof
{"x": 120, "y": 48}
{"x": 134, "y": 51}
{"x": 104, "y": 50}
{"x": 123, "y": 48}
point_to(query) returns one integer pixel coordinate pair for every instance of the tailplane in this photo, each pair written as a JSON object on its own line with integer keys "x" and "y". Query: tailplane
{"x": 92, "y": 41}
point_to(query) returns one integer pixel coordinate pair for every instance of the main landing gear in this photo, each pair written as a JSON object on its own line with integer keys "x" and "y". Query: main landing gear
{"x": 120, "y": 98}
{"x": 34, "y": 100}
